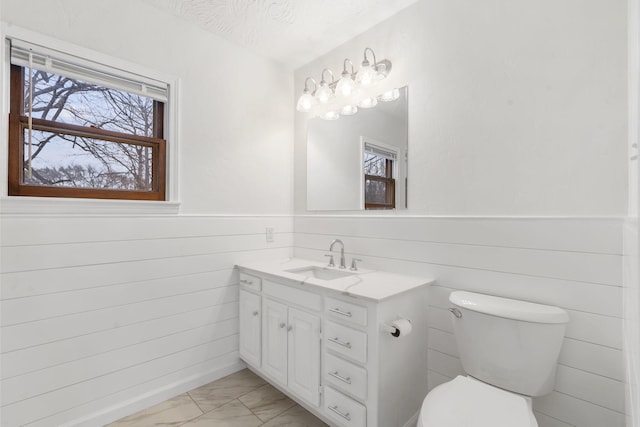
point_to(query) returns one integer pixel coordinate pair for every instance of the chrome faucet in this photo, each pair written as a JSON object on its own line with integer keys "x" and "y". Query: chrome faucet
{"x": 342, "y": 260}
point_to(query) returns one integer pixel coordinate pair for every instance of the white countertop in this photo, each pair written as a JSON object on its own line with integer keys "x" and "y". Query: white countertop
{"x": 371, "y": 284}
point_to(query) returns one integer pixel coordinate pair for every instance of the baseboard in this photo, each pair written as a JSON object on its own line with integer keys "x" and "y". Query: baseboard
{"x": 138, "y": 403}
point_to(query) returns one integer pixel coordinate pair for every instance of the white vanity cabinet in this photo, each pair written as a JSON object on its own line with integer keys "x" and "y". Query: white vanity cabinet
{"x": 291, "y": 349}
{"x": 250, "y": 327}
{"x": 328, "y": 349}
{"x": 283, "y": 342}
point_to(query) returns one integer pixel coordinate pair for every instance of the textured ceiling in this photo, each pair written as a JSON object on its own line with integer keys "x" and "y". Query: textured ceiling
{"x": 293, "y": 32}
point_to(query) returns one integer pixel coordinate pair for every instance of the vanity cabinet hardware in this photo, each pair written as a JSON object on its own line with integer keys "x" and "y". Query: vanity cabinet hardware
{"x": 252, "y": 282}
{"x": 340, "y": 312}
{"x": 255, "y": 313}
{"x": 346, "y": 311}
{"x": 282, "y": 325}
{"x": 290, "y": 328}
{"x": 335, "y": 409}
{"x": 336, "y": 375}
{"x": 340, "y": 342}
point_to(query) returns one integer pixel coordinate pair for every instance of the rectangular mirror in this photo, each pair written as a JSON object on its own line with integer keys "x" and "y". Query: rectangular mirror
{"x": 359, "y": 162}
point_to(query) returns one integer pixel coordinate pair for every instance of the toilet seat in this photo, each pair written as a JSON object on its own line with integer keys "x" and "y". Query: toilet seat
{"x": 467, "y": 402}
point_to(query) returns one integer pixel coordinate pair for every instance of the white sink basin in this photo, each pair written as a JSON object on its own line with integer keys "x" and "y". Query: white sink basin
{"x": 321, "y": 273}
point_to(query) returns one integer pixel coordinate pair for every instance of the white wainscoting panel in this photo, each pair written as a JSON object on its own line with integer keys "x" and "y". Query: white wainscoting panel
{"x": 575, "y": 264}
{"x": 104, "y": 315}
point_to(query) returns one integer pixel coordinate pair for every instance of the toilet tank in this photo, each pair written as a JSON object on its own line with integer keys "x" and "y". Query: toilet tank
{"x": 508, "y": 343}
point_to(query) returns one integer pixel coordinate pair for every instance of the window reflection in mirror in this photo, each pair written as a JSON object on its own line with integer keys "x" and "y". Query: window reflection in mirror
{"x": 359, "y": 162}
{"x": 379, "y": 175}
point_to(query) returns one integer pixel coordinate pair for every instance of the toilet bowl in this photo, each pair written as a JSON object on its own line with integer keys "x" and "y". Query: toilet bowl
{"x": 465, "y": 401}
{"x": 509, "y": 349}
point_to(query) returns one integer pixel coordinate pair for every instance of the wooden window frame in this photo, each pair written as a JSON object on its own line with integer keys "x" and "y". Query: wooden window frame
{"x": 18, "y": 122}
{"x": 390, "y": 202}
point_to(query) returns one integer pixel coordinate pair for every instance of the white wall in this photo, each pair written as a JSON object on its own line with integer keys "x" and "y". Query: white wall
{"x": 571, "y": 263}
{"x": 227, "y": 142}
{"x": 631, "y": 259}
{"x": 517, "y": 142}
{"x": 104, "y": 314}
{"x": 515, "y": 108}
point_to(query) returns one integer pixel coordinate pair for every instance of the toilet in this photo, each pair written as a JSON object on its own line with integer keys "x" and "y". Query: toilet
{"x": 509, "y": 350}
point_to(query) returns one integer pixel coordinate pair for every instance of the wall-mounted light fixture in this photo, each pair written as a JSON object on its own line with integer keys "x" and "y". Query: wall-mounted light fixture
{"x": 355, "y": 89}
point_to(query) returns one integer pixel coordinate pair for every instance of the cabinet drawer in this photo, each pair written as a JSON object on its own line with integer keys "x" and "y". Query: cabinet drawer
{"x": 344, "y": 410}
{"x": 345, "y": 376}
{"x": 250, "y": 282}
{"x": 346, "y": 311}
{"x": 347, "y": 341}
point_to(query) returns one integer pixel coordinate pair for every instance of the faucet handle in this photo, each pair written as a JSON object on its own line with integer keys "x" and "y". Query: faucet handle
{"x": 331, "y": 263}
{"x": 354, "y": 267}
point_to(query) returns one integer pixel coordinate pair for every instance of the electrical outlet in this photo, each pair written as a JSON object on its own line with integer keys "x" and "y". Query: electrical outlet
{"x": 270, "y": 233}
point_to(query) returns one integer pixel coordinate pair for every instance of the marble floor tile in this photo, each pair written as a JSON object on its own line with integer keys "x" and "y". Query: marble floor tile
{"x": 266, "y": 402}
{"x": 233, "y": 414}
{"x": 297, "y": 416}
{"x": 173, "y": 412}
{"x": 224, "y": 390}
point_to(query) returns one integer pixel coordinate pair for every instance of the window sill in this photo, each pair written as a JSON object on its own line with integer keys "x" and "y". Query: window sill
{"x": 20, "y": 205}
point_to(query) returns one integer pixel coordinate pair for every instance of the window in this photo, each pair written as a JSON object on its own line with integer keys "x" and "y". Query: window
{"x": 379, "y": 182}
{"x": 80, "y": 129}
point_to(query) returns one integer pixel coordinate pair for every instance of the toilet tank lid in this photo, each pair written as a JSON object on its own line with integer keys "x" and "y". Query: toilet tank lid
{"x": 509, "y": 308}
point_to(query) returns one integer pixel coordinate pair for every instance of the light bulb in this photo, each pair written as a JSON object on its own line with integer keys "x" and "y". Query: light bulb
{"x": 368, "y": 102}
{"x": 324, "y": 93}
{"x": 390, "y": 95}
{"x": 349, "y": 110}
{"x": 305, "y": 102}
{"x": 345, "y": 86}
{"x": 330, "y": 115}
{"x": 366, "y": 75}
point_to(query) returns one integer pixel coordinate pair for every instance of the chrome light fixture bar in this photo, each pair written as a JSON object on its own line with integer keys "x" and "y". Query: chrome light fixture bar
{"x": 331, "y": 99}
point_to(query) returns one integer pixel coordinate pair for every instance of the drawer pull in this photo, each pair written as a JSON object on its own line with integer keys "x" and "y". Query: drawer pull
{"x": 335, "y": 409}
{"x": 255, "y": 313}
{"x": 246, "y": 282}
{"x": 340, "y": 312}
{"x": 335, "y": 374}
{"x": 282, "y": 325}
{"x": 339, "y": 342}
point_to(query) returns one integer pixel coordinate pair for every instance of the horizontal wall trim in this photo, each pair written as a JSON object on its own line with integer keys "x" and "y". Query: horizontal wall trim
{"x": 611, "y": 285}
{"x": 70, "y": 279}
{"x": 143, "y": 239}
{"x": 40, "y": 405}
{"x": 582, "y": 235}
{"x": 109, "y": 413}
{"x": 102, "y": 413}
{"x": 47, "y": 355}
{"x": 373, "y": 215}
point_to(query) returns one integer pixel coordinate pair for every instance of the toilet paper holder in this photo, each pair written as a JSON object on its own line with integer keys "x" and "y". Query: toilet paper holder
{"x": 392, "y": 329}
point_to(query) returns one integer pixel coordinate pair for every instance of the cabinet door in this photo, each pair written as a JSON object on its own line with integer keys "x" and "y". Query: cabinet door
{"x": 274, "y": 340}
{"x": 304, "y": 355}
{"x": 250, "y": 333}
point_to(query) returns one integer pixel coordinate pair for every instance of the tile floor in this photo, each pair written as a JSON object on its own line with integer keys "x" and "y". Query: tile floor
{"x": 242, "y": 399}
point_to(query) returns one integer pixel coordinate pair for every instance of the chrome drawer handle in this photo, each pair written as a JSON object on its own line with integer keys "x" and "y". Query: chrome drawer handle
{"x": 340, "y": 312}
{"x": 255, "y": 313}
{"x": 335, "y": 409}
{"x": 282, "y": 325}
{"x": 342, "y": 343}
{"x": 246, "y": 282}
{"x": 340, "y": 377}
